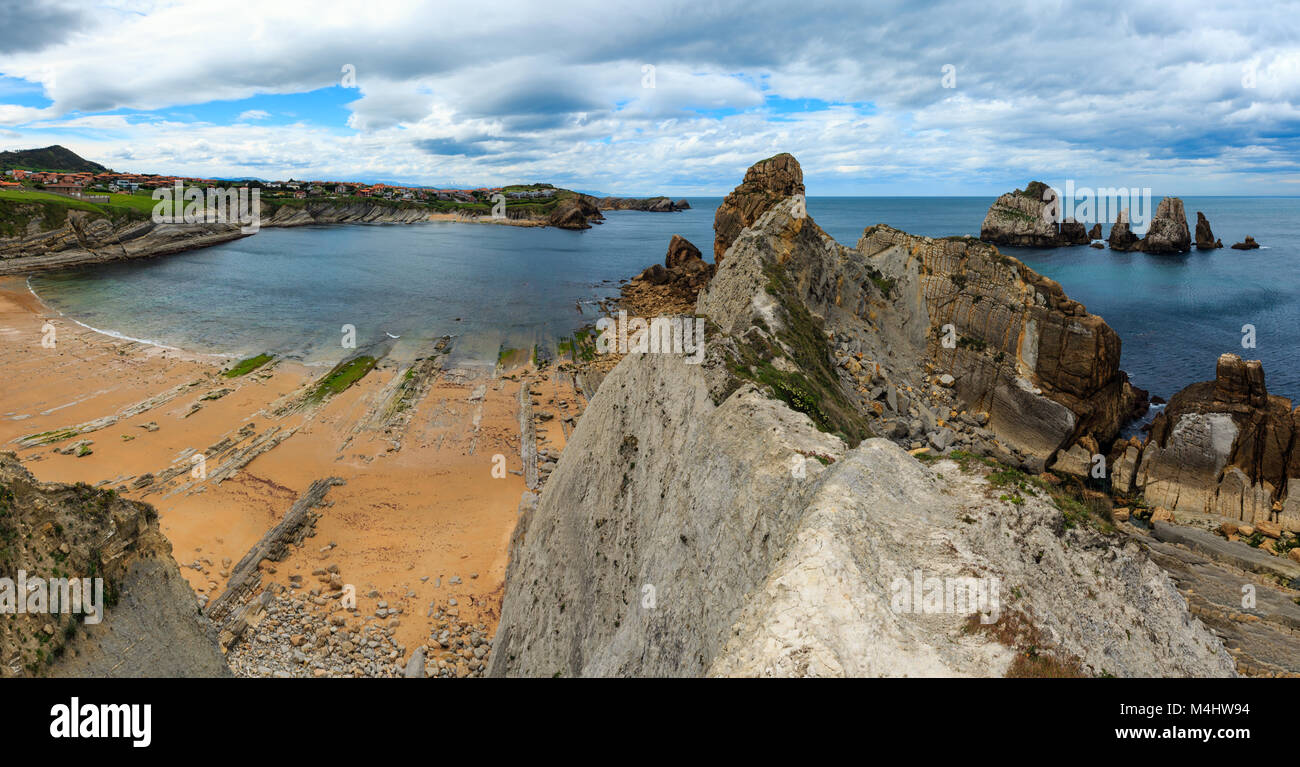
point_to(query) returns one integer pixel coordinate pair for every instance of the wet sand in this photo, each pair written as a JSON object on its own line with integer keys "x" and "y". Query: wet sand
{"x": 406, "y": 521}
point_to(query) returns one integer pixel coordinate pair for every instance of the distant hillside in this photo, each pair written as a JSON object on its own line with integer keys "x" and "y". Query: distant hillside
{"x": 50, "y": 158}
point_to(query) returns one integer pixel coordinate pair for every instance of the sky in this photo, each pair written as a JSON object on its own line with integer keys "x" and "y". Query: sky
{"x": 678, "y": 98}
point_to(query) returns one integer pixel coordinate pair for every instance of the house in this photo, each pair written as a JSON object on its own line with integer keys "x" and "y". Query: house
{"x": 65, "y": 188}
{"x": 300, "y": 195}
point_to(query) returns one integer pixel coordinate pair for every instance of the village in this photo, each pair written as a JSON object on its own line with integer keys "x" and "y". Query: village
{"x": 87, "y": 184}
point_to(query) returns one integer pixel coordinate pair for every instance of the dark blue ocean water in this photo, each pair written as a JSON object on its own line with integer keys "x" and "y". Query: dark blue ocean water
{"x": 290, "y": 290}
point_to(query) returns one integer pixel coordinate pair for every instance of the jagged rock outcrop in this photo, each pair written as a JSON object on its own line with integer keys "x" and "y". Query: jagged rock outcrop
{"x": 681, "y": 250}
{"x": 1044, "y": 370}
{"x": 151, "y": 623}
{"x": 1225, "y": 447}
{"x": 736, "y": 518}
{"x": 1095, "y": 232}
{"x": 766, "y": 183}
{"x": 1204, "y": 235}
{"x": 1074, "y": 233}
{"x": 648, "y": 204}
{"x": 1248, "y": 244}
{"x": 1168, "y": 232}
{"x": 1025, "y": 218}
{"x": 334, "y": 212}
{"x": 1121, "y": 234}
{"x": 671, "y": 288}
{"x": 575, "y": 213}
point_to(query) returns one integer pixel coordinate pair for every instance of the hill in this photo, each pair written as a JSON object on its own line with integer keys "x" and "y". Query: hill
{"x": 49, "y": 158}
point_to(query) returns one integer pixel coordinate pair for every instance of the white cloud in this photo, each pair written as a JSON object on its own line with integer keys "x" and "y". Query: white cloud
{"x": 1116, "y": 90}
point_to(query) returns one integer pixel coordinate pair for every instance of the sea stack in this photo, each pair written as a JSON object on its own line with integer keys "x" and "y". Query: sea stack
{"x": 1225, "y": 447}
{"x": 1168, "y": 232}
{"x": 1248, "y": 244}
{"x": 1022, "y": 219}
{"x": 1204, "y": 235}
{"x": 1121, "y": 236}
{"x": 766, "y": 183}
{"x": 1073, "y": 233}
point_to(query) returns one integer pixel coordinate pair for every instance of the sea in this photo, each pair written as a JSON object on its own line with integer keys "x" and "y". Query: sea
{"x": 296, "y": 292}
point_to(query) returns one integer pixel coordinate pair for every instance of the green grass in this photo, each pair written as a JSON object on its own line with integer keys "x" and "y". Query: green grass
{"x": 244, "y": 367}
{"x": 342, "y": 376}
{"x": 811, "y": 387}
{"x": 48, "y": 437}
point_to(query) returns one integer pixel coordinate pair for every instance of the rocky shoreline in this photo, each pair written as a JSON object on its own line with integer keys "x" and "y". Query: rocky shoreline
{"x": 88, "y": 238}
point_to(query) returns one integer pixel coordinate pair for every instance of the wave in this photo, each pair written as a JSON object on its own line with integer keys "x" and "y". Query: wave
{"x": 102, "y": 331}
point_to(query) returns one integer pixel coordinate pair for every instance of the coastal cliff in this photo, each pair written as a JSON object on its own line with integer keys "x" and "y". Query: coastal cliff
{"x": 151, "y": 623}
{"x": 50, "y": 237}
{"x": 742, "y": 517}
{"x": 47, "y": 237}
{"x": 648, "y": 204}
{"x": 309, "y": 212}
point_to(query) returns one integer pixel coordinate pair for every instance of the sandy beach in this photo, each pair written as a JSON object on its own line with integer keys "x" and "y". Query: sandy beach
{"x": 419, "y": 519}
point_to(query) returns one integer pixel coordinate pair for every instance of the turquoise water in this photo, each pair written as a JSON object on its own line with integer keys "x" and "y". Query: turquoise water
{"x": 291, "y": 290}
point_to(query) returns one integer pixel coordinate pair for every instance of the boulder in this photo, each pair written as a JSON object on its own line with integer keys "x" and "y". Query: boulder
{"x": 1224, "y": 447}
{"x": 1168, "y": 232}
{"x": 683, "y": 205}
{"x": 680, "y": 250}
{"x": 1095, "y": 232}
{"x": 766, "y": 183}
{"x": 1204, "y": 236}
{"x": 1076, "y": 461}
{"x": 1248, "y": 244}
{"x": 1124, "y": 457}
{"x": 1121, "y": 236}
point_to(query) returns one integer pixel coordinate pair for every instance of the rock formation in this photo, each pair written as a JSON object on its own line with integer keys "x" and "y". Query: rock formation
{"x": 1249, "y": 244}
{"x": 151, "y": 625}
{"x": 83, "y": 237}
{"x": 1225, "y": 447}
{"x": 648, "y": 204}
{"x": 1121, "y": 236}
{"x": 1022, "y": 219}
{"x": 1168, "y": 232}
{"x": 1095, "y": 232}
{"x": 671, "y": 288}
{"x": 1073, "y": 233}
{"x": 766, "y": 183}
{"x": 737, "y": 517}
{"x": 574, "y": 213}
{"x": 1204, "y": 236}
{"x": 48, "y": 241}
